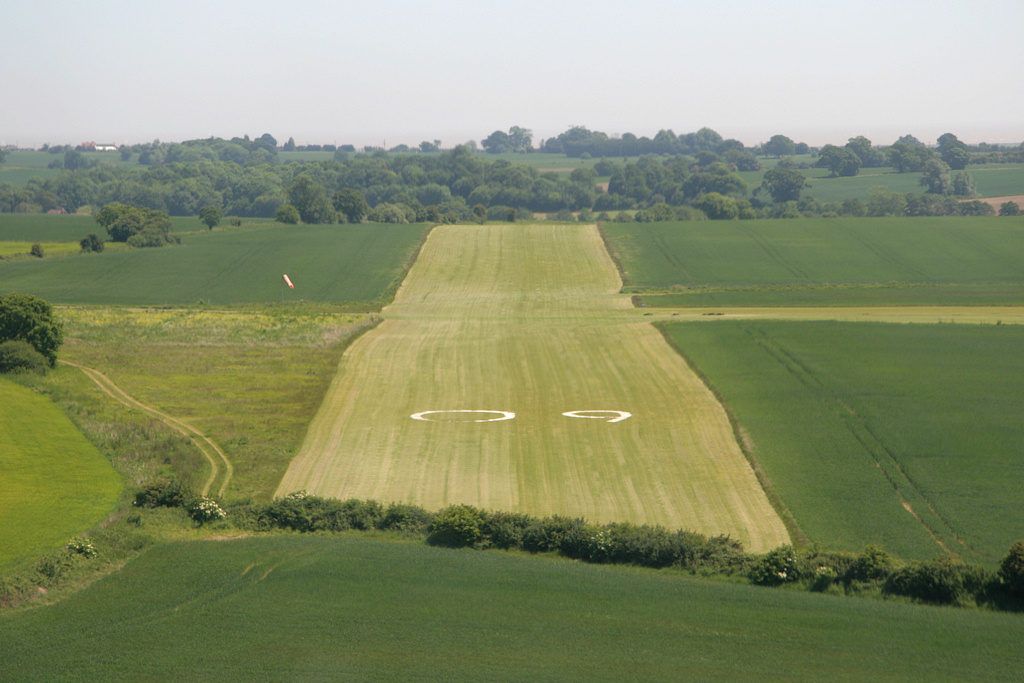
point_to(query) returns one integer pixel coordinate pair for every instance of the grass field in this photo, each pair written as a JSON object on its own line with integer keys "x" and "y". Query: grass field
{"x": 904, "y": 435}
{"x": 525, "y": 319}
{"x": 318, "y": 608}
{"x": 250, "y": 380}
{"x": 840, "y": 261}
{"x": 358, "y": 264}
{"x": 49, "y": 248}
{"x": 54, "y": 484}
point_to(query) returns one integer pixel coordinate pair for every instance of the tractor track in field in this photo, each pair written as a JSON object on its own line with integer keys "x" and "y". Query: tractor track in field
{"x": 210, "y": 450}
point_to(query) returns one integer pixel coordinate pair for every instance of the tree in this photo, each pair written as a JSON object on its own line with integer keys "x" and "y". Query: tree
{"x": 123, "y": 222}
{"x": 935, "y": 177}
{"x": 290, "y": 145}
{"x": 3, "y": 156}
{"x": 963, "y": 185}
{"x": 784, "y": 184}
{"x": 1011, "y": 570}
{"x": 351, "y": 204}
{"x": 91, "y": 243}
{"x": 520, "y": 139}
{"x": 717, "y": 207}
{"x": 779, "y": 146}
{"x": 1010, "y": 209}
{"x": 310, "y": 198}
{"x": 839, "y": 161}
{"x": 496, "y": 143}
{"x": 953, "y": 152}
{"x": 210, "y": 216}
{"x": 868, "y": 155}
{"x": 908, "y": 155}
{"x": 287, "y": 214}
{"x": 30, "y": 319}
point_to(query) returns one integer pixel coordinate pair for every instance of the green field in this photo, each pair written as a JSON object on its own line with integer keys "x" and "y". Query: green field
{"x": 41, "y": 227}
{"x": 250, "y": 380}
{"x": 316, "y": 608}
{"x": 54, "y": 484}
{"x": 354, "y": 264}
{"x": 904, "y": 435}
{"x": 526, "y": 319}
{"x": 838, "y": 261}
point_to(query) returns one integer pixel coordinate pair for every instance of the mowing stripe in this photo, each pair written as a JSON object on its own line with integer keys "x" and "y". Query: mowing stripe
{"x": 523, "y": 326}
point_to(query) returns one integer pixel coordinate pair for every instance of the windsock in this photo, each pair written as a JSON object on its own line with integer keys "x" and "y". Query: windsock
{"x": 288, "y": 282}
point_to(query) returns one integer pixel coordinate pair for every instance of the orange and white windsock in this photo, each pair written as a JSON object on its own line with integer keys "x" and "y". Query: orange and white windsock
{"x": 288, "y": 282}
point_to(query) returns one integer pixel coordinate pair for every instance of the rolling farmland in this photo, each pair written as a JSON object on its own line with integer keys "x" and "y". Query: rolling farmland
{"x": 350, "y": 264}
{"x": 904, "y": 435}
{"x": 839, "y": 261}
{"x": 320, "y": 608}
{"x": 525, "y": 320}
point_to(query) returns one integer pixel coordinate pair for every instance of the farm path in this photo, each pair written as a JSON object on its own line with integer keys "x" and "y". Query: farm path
{"x": 206, "y": 446}
{"x": 527, "y": 320}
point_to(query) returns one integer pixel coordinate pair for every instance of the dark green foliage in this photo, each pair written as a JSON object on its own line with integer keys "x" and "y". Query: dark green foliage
{"x": 351, "y": 204}
{"x": 310, "y": 198}
{"x": 1010, "y": 209}
{"x": 777, "y": 567}
{"x": 92, "y": 243}
{"x": 20, "y": 356}
{"x": 457, "y": 526}
{"x": 1011, "y": 570}
{"x": 872, "y": 564}
{"x": 36, "y": 250}
{"x": 210, "y": 216}
{"x": 287, "y": 214}
{"x": 942, "y": 581}
{"x": 30, "y": 319}
{"x": 124, "y": 222}
{"x": 784, "y": 184}
{"x": 165, "y": 493}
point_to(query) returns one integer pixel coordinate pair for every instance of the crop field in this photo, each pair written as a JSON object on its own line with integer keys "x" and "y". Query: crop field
{"x": 54, "y": 484}
{"x": 358, "y": 264}
{"x": 904, "y": 435}
{"x": 839, "y": 261}
{"x": 507, "y": 376}
{"x": 318, "y": 608}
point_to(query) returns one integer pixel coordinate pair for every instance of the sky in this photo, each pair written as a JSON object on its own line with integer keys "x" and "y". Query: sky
{"x": 385, "y": 72}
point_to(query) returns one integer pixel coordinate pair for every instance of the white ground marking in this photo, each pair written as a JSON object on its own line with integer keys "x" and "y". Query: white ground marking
{"x": 505, "y": 415}
{"x": 622, "y": 414}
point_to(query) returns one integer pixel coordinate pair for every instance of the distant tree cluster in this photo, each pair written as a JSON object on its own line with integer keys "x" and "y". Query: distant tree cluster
{"x": 698, "y": 172}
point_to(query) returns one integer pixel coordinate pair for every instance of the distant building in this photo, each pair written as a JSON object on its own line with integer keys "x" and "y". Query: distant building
{"x": 93, "y": 147}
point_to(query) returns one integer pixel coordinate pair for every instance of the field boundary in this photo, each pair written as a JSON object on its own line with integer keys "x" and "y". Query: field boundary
{"x": 204, "y": 443}
{"x": 799, "y": 538}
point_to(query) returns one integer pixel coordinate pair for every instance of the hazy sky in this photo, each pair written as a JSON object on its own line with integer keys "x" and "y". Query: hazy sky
{"x": 399, "y": 71}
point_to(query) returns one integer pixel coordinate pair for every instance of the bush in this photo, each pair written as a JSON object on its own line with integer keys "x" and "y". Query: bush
{"x": 548, "y": 534}
{"x": 36, "y": 250}
{"x": 777, "y": 567}
{"x": 872, "y": 564}
{"x": 20, "y": 356}
{"x": 1011, "y": 570}
{"x": 205, "y": 510}
{"x": 406, "y": 518}
{"x": 164, "y": 493}
{"x": 943, "y": 581}
{"x": 287, "y": 214}
{"x": 505, "y": 529}
{"x": 91, "y": 243}
{"x": 457, "y": 526}
{"x": 30, "y": 319}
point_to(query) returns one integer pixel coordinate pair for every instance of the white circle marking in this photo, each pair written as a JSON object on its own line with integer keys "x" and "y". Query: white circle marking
{"x": 622, "y": 414}
{"x": 504, "y": 415}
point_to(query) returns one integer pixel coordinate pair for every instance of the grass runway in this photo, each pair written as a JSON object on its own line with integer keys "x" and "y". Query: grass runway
{"x": 527, "y": 319}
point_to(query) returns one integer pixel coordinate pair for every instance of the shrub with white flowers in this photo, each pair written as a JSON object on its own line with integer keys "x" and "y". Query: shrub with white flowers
{"x": 777, "y": 567}
{"x": 206, "y": 510}
{"x": 297, "y": 495}
{"x": 82, "y": 546}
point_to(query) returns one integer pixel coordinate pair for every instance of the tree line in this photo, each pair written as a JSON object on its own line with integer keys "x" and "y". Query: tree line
{"x": 698, "y": 177}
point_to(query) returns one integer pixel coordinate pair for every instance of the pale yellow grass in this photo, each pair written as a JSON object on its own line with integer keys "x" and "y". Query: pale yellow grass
{"x": 975, "y": 315}
{"x": 527, "y": 319}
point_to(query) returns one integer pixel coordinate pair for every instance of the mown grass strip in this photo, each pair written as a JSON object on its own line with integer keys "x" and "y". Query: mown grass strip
{"x": 525, "y": 319}
{"x": 53, "y": 482}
